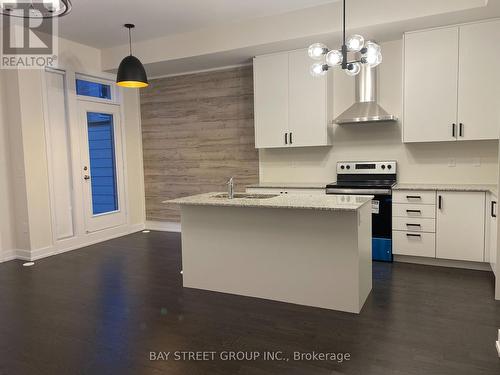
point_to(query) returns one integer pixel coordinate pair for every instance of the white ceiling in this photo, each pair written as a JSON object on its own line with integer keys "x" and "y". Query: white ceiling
{"x": 98, "y": 23}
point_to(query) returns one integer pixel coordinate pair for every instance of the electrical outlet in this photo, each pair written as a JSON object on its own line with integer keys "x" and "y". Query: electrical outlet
{"x": 452, "y": 162}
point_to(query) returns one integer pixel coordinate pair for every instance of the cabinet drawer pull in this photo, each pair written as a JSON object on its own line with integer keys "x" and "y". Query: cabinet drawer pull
{"x": 413, "y": 197}
{"x": 414, "y": 211}
{"x": 413, "y": 225}
{"x": 413, "y": 235}
{"x": 493, "y": 204}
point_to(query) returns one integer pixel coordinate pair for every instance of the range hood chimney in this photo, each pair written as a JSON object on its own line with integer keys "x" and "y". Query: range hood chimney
{"x": 366, "y": 108}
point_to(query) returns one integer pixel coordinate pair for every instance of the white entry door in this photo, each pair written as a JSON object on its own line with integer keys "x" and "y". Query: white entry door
{"x": 102, "y": 166}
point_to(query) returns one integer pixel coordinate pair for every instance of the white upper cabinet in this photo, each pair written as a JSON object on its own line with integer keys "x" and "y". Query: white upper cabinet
{"x": 479, "y": 81}
{"x": 451, "y": 87}
{"x": 292, "y": 108}
{"x": 309, "y": 111}
{"x": 430, "y": 85}
{"x": 271, "y": 100}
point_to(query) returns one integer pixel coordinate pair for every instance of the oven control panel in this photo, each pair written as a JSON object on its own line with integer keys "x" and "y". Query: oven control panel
{"x": 366, "y": 167}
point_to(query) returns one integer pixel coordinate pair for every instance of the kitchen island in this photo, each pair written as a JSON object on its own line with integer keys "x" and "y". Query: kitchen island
{"x": 310, "y": 250}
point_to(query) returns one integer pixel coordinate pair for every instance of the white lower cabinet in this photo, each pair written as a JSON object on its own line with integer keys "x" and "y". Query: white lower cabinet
{"x": 414, "y": 244}
{"x": 490, "y": 251}
{"x": 413, "y": 223}
{"x": 456, "y": 225}
{"x": 460, "y": 225}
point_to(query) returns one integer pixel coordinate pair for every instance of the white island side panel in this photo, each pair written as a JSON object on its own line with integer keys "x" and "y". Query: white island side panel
{"x": 307, "y": 257}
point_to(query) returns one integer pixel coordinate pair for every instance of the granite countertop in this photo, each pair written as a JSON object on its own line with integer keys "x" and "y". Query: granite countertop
{"x": 290, "y": 185}
{"x": 448, "y": 187}
{"x": 297, "y": 201}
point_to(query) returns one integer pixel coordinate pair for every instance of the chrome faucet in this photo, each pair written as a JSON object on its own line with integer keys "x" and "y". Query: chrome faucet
{"x": 230, "y": 188}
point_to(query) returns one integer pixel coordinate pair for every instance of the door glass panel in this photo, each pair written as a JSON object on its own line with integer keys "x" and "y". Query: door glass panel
{"x": 102, "y": 162}
{"x": 93, "y": 89}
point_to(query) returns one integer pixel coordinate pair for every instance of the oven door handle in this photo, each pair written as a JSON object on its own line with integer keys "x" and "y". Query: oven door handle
{"x": 358, "y": 191}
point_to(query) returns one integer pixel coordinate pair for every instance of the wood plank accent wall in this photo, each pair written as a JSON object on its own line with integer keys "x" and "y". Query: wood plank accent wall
{"x": 197, "y": 131}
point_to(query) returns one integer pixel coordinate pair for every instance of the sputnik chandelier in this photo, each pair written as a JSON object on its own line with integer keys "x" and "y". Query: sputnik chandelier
{"x": 361, "y": 52}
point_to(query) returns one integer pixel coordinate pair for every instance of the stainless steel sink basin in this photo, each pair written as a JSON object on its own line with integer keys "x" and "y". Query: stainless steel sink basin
{"x": 245, "y": 195}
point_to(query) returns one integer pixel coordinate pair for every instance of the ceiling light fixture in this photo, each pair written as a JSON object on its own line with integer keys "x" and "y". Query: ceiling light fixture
{"x": 35, "y": 8}
{"x": 364, "y": 53}
{"x": 131, "y": 72}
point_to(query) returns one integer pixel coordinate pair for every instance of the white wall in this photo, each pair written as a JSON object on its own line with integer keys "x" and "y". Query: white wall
{"x": 7, "y": 229}
{"x": 476, "y": 162}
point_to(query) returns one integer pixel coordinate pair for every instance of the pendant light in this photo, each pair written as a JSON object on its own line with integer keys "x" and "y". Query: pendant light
{"x": 35, "y": 9}
{"x": 131, "y": 72}
{"x": 364, "y": 53}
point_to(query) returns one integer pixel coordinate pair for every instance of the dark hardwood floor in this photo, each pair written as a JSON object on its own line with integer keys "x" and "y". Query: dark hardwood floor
{"x": 102, "y": 309}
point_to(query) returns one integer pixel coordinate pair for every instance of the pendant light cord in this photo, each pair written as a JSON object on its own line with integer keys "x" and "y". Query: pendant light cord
{"x": 130, "y": 41}
{"x": 344, "y": 47}
{"x": 343, "y": 25}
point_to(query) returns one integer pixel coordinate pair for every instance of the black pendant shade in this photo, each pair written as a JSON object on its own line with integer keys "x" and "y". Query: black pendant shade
{"x": 131, "y": 72}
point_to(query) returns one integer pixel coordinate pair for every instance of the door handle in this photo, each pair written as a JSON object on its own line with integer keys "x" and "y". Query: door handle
{"x": 286, "y": 138}
{"x": 291, "y": 139}
{"x": 493, "y": 204}
{"x": 461, "y": 130}
{"x": 453, "y": 130}
{"x": 86, "y": 177}
{"x": 440, "y": 202}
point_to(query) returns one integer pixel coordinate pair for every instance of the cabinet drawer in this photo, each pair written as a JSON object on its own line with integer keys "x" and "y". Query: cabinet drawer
{"x": 414, "y": 210}
{"x": 416, "y": 224}
{"x": 414, "y": 196}
{"x": 415, "y": 244}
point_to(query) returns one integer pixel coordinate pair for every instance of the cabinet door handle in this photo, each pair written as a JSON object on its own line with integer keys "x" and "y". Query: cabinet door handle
{"x": 461, "y": 130}
{"x": 413, "y": 197}
{"x": 413, "y": 235}
{"x": 493, "y": 204}
{"x": 413, "y": 225}
{"x": 440, "y": 202}
{"x": 414, "y": 211}
{"x": 454, "y": 130}
{"x": 286, "y": 138}
{"x": 291, "y": 139}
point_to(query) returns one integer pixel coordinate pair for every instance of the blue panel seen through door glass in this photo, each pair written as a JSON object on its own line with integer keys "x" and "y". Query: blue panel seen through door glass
{"x": 93, "y": 89}
{"x": 102, "y": 162}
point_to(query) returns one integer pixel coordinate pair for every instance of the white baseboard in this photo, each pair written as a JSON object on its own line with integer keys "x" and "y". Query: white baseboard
{"x": 443, "y": 262}
{"x": 71, "y": 244}
{"x": 164, "y": 226}
{"x": 8, "y": 255}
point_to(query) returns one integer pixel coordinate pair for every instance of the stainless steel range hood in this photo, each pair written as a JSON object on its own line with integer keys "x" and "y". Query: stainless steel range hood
{"x": 366, "y": 108}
